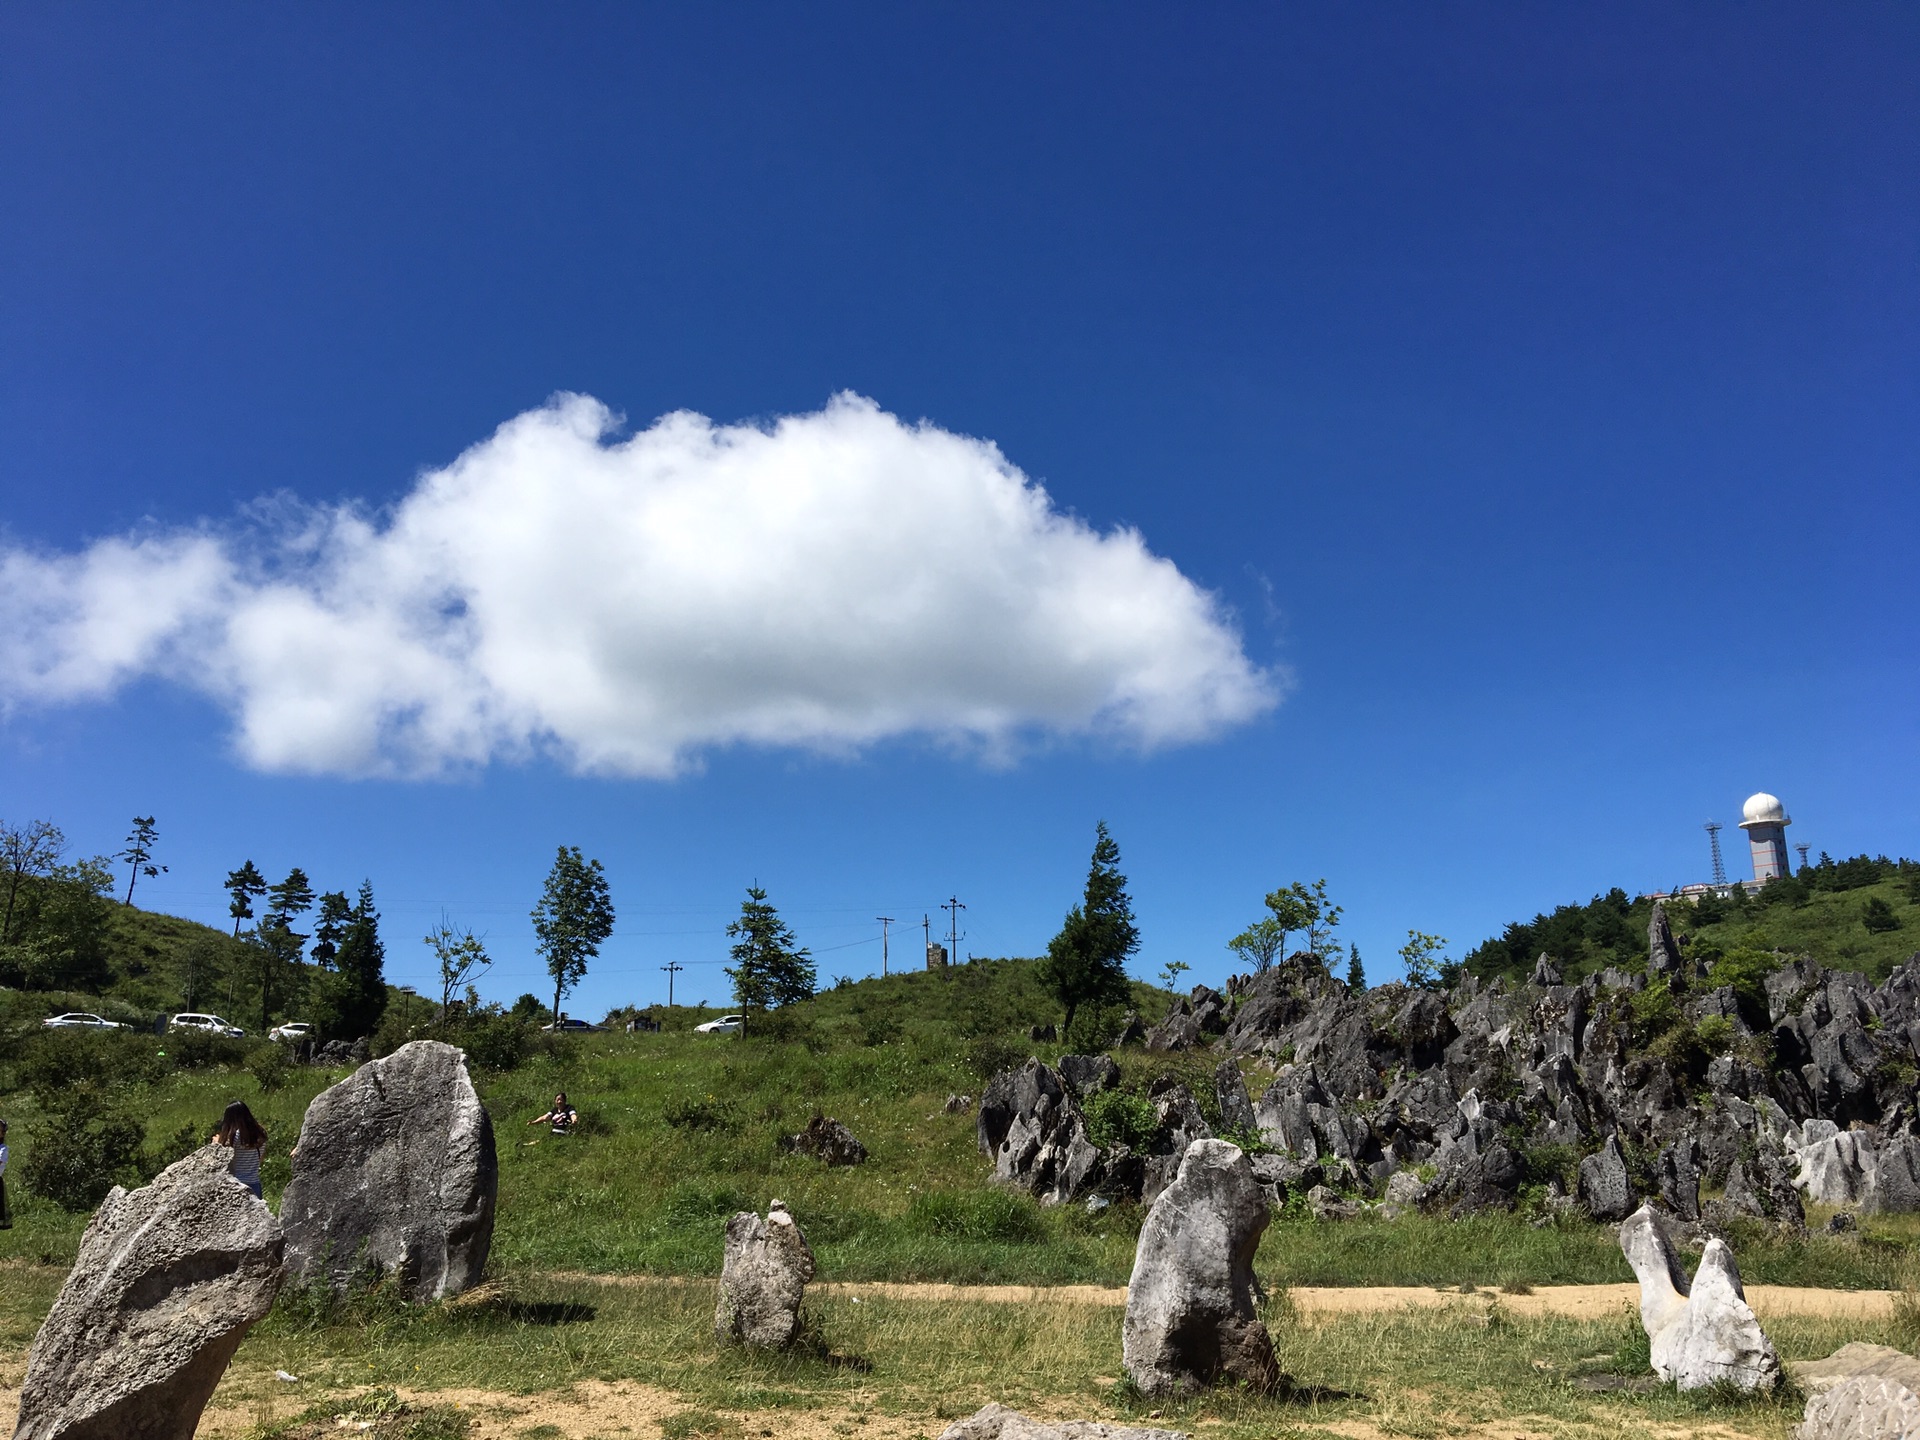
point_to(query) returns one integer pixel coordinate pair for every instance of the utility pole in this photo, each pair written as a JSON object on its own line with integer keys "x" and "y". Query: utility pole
{"x": 672, "y": 970}
{"x": 885, "y": 921}
{"x": 953, "y": 907}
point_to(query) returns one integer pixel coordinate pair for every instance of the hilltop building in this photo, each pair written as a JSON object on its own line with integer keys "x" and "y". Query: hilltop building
{"x": 1765, "y": 820}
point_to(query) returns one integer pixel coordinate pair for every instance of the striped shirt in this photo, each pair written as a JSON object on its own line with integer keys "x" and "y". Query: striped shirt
{"x": 245, "y": 1166}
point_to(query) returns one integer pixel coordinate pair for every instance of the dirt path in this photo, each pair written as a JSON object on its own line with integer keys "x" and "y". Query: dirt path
{"x": 1580, "y": 1302}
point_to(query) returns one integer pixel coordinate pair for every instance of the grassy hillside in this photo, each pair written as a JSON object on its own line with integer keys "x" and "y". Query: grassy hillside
{"x": 680, "y": 1130}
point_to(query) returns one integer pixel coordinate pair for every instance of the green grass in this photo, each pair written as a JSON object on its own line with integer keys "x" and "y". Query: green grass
{"x": 1827, "y": 927}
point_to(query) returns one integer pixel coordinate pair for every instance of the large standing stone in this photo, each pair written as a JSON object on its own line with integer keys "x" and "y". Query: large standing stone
{"x": 1191, "y": 1318}
{"x": 996, "y": 1422}
{"x": 166, "y": 1284}
{"x": 395, "y": 1171}
{"x": 763, "y": 1280}
{"x": 1701, "y": 1334}
{"x": 1663, "y": 954}
{"x": 1605, "y": 1186}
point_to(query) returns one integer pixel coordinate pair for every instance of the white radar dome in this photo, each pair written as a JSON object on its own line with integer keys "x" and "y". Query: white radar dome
{"x": 1763, "y": 809}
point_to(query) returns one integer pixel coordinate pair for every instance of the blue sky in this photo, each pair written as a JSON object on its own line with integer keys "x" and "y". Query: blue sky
{"x": 1522, "y": 401}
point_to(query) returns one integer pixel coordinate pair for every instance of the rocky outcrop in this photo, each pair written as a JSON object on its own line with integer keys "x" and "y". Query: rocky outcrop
{"x": 996, "y": 1422}
{"x": 1191, "y": 1319}
{"x": 1036, "y": 1136}
{"x": 1702, "y": 1333}
{"x": 763, "y": 1279}
{"x": 167, "y": 1282}
{"x": 827, "y": 1141}
{"x": 1089, "y": 1074}
{"x": 1894, "y": 1187}
{"x": 395, "y": 1172}
{"x": 1178, "y": 1124}
{"x": 1663, "y": 954}
{"x": 1836, "y": 1166}
{"x": 1606, "y": 1190}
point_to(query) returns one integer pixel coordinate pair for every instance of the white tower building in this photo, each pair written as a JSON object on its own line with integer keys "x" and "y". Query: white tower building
{"x": 1765, "y": 820}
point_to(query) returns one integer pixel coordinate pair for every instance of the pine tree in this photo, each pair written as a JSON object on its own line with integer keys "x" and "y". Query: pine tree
{"x": 1356, "y": 972}
{"x": 245, "y": 885}
{"x": 352, "y": 999}
{"x": 330, "y": 927}
{"x": 139, "y": 854}
{"x": 768, "y": 969}
{"x": 1086, "y": 962}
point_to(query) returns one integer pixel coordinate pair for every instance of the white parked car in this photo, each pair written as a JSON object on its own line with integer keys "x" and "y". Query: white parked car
{"x": 725, "y": 1025}
{"x": 80, "y": 1020}
{"x": 213, "y": 1024}
{"x": 292, "y": 1030}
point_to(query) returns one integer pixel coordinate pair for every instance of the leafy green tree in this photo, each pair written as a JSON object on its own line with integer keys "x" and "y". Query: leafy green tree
{"x": 768, "y": 969}
{"x": 139, "y": 853}
{"x": 330, "y": 927}
{"x": 350, "y": 1001}
{"x": 1289, "y": 910}
{"x": 572, "y": 920}
{"x": 1085, "y": 963}
{"x": 245, "y": 885}
{"x": 1356, "y": 972}
{"x": 27, "y": 852}
{"x": 1322, "y": 916}
{"x": 461, "y": 957}
{"x": 1418, "y": 956}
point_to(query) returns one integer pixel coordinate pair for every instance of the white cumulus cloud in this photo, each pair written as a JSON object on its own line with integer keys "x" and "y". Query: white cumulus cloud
{"x": 824, "y": 582}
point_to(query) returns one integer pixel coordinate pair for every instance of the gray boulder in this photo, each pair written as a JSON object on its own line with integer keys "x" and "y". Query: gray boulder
{"x": 1605, "y": 1188}
{"x": 957, "y": 1105}
{"x": 1836, "y": 1166}
{"x": 168, "y": 1280}
{"x": 1677, "y": 1172}
{"x": 1765, "y": 1191}
{"x": 1089, "y": 1074}
{"x": 996, "y": 1422}
{"x": 1230, "y": 1091}
{"x": 827, "y": 1141}
{"x": 1860, "y": 1392}
{"x": 1180, "y": 1123}
{"x": 395, "y": 1171}
{"x": 1191, "y": 1319}
{"x": 1703, "y": 1333}
{"x": 762, "y": 1280}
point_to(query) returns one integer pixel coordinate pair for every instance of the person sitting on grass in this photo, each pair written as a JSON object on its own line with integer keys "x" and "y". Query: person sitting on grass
{"x": 561, "y": 1117}
{"x": 247, "y": 1138}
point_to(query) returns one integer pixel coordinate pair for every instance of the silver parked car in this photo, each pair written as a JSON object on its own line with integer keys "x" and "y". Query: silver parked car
{"x": 213, "y": 1024}
{"x": 80, "y": 1020}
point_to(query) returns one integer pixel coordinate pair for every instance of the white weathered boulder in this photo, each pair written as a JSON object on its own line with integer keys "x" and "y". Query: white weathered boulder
{"x": 168, "y": 1280}
{"x": 1836, "y": 1166}
{"x": 1191, "y": 1318}
{"x": 1703, "y": 1333}
{"x": 395, "y": 1171}
{"x": 763, "y": 1280}
{"x": 996, "y": 1422}
{"x": 1860, "y": 1392}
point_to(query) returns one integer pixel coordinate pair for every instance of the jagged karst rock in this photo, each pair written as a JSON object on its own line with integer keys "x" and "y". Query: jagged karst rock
{"x": 1133, "y": 1031}
{"x": 1179, "y": 1125}
{"x": 1031, "y": 1127}
{"x": 1605, "y": 1189}
{"x": 1836, "y": 1166}
{"x": 1230, "y": 1093}
{"x": 1677, "y": 1173}
{"x": 763, "y": 1280}
{"x": 1191, "y": 1319}
{"x": 1765, "y": 1191}
{"x": 1329, "y": 1204}
{"x": 1176, "y": 1032}
{"x": 1089, "y": 1074}
{"x": 395, "y": 1169}
{"x": 827, "y": 1141}
{"x": 996, "y": 1422}
{"x": 1663, "y": 954}
{"x": 1704, "y": 1333}
{"x": 1895, "y": 1185}
{"x": 167, "y": 1282}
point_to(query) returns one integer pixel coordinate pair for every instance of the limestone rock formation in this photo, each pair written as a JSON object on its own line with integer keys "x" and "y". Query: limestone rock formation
{"x": 1605, "y": 1186}
{"x": 1191, "y": 1319}
{"x": 1031, "y": 1127}
{"x": 1836, "y": 1166}
{"x": 1230, "y": 1093}
{"x": 1089, "y": 1074}
{"x": 996, "y": 1422}
{"x": 1701, "y": 1334}
{"x": 395, "y": 1171}
{"x": 762, "y": 1280}
{"x": 168, "y": 1280}
{"x": 1895, "y": 1185}
{"x": 1865, "y": 1407}
{"x": 827, "y": 1141}
{"x": 1852, "y": 1361}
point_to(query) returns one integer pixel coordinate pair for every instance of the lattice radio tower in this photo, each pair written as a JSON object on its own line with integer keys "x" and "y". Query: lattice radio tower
{"x": 1719, "y": 865}
{"x": 1803, "y": 854}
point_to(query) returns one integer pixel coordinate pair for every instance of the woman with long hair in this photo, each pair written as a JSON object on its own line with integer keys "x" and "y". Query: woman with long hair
{"x": 247, "y": 1138}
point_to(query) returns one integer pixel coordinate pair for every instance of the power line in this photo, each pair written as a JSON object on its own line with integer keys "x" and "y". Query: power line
{"x": 953, "y": 907}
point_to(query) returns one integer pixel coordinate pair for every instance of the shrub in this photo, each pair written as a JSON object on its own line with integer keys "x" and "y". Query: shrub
{"x": 496, "y": 1041}
{"x": 989, "y": 1055}
{"x": 706, "y": 1114}
{"x": 1715, "y": 1034}
{"x": 1115, "y": 1117}
{"x": 976, "y": 1215}
{"x": 85, "y": 1145}
{"x": 269, "y": 1065}
{"x": 55, "y": 1060}
{"x": 1878, "y": 916}
{"x": 202, "y": 1049}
